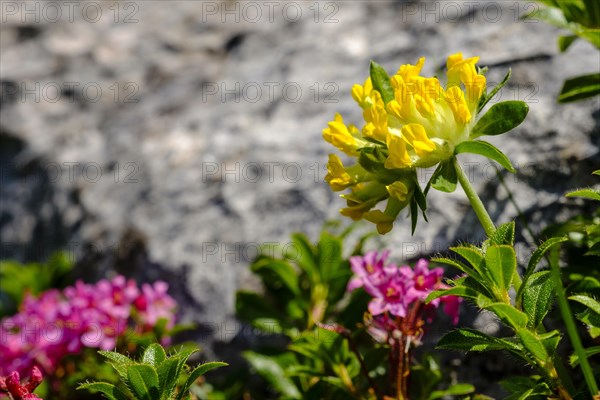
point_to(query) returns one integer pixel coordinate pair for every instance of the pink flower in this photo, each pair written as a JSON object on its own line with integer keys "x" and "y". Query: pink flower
{"x": 57, "y": 324}
{"x": 389, "y": 294}
{"x": 11, "y": 384}
{"x": 399, "y": 294}
{"x": 154, "y": 304}
{"x": 368, "y": 266}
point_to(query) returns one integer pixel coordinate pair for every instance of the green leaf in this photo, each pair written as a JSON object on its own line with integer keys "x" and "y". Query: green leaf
{"x": 419, "y": 196}
{"x": 167, "y": 376}
{"x": 273, "y": 373}
{"x": 591, "y": 194}
{"x": 533, "y": 344}
{"x": 590, "y": 351}
{"x": 459, "y": 291}
{"x": 505, "y": 234}
{"x": 485, "y": 99}
{"x": 251, "y": 307}
{"x": 107, "y": 389}
{"x": 197, "y": 373}
{"x": 119, "y": 362}
{"x": 592, "y": 8}
{"x": 538, "y": 296}
{"x": 329, "y": 257}
{"x": 501, "y": 118}
{"x": 472, "y": 340}
{"x": 564, "y": 42}
{"x": 304, "y": 255}
{"x": 154, "y": 355}
{"x": 414, "y": 215}
{"x": 276, "y": 273}
{"x": 581, "y": 87}
{"x": 458, "y": 389}
{"x": 526, "y": 388}
{"x": 381, "y": 82}
{"x": 456, "y": 264}
{"x": 484, "y": 149}
{"x": 501, "y": 264}
{"x": 550, "y": 340}
{"x": 444, "y": 178}
{"x": 143, "y": 381}
{"x": 538, "y": 254}
{"x": 592, "y": 320}
{"x": 508, "y": 314}
{"x": 591, "y": 303}
{"x": 473, "y": 255}
{"x": 372, "y": 159}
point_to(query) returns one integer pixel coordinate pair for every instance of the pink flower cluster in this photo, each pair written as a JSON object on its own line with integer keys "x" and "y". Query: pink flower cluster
{"x": 399, "y": 293}
{"x": 59, "y": 323}
{"x": 11, "y": 384}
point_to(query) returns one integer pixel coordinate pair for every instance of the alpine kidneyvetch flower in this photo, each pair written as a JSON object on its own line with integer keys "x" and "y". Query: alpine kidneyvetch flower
{"x": 399, "y": 293}
{"x": 417, "y": 123}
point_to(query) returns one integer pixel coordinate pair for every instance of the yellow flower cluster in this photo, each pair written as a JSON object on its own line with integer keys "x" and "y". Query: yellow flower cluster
{"x": 417, "y": 128}
{"x": 423, "y": 123}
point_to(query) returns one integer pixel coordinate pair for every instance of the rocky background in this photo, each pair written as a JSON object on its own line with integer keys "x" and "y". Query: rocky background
{"x": 167, "y": 139}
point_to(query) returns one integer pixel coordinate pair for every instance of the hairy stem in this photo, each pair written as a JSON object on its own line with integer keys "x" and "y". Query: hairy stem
{"x": 478, "y": 207}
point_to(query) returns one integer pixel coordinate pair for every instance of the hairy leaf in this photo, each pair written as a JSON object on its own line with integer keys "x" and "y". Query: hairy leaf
{"x": 538, "y": 295}
{"x": 472, "y": 340}
{"x": 143, "y": 381}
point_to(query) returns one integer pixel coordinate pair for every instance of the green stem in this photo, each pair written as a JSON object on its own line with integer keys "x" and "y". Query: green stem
{"x": 567, "y": 316}
{"x": 478, "y": 207}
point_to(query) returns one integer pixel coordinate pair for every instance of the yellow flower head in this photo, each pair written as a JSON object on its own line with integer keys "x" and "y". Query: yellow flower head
{"x": 429, "y": 119}
{"x": 410, "y": 121}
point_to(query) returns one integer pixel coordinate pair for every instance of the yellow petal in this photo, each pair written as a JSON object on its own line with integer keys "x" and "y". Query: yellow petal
{"x": 383, "y": 221}
{"x": 415, "y": 135}
{"x": 398, "y": 190}
{"x": 455, "y": 98}
{"x": 398, "y": 156}
{"x": 337, "y": 134}
{"x": 362, "y": 94}
{"x": 337, "y": 177}
{"x": 408, "y": 71}
{"x": 453, "y": 60}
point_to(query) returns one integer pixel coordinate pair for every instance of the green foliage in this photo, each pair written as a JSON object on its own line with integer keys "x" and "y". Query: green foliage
{"x": 326, "y": 352}
{"x": 18, "y": 279}
{"x": 591, "y": 314}
{"x": 538, "y": 296}
{"x": 492, "y": 273}
{"x": 582, "y": 18}
{"x": 381, "y": 82}
{"x": 501, "y": 118}
{"x": 154, "y": 377}
{"x": 484, "y": 149}
{"x": 444, "y": 178}
{"x": 301, "y": 288}
{"x": 427, "y": 375}
{"x": 579, "y": 88}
